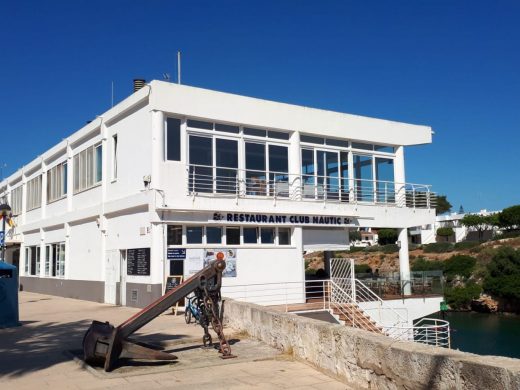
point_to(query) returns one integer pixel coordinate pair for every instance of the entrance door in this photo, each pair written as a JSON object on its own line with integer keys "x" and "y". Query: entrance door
{"x": 122, "y": 277}
{"x": 111, "y": 275}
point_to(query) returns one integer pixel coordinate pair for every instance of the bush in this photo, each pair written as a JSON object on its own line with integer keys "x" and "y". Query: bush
{"x": 362, "y": 269}
{"x": 461, "y": 265}
{"x": 445, "y": 232}
{"x": 503, "y": 279}
{"x": 438, "y": 247}
{"x": 387, "y": 236}
{"x": 390, "y": 248}
{"x": 354, "y": 235}
{"x": 375, "y": 248}
{"x": 422, "y": 264}
{"x": 464, "y": 245}
{"x": 459, "y": 298}
{"x": 509, "y": 234}
{"x": 354, "y": 249}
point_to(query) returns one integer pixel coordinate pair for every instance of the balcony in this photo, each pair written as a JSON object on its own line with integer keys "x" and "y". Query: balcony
{"x": 238, "y": 183}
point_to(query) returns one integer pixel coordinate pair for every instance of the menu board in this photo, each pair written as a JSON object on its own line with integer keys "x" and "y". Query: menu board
{"x": 172, "y": 282}
{"x": 138, "y": 261}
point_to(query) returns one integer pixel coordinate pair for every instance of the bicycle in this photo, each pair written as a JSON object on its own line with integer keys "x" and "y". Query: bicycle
{"x": 191, "y": 311}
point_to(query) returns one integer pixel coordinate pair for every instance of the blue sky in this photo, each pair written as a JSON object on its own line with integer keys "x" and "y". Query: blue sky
{"x": 452, "y": 65}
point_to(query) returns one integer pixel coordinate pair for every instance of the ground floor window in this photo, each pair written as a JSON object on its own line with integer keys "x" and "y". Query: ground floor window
{"x": 55, "y": 259}
{"x": 32, "y": 260}
{"x": 228, "y": 235}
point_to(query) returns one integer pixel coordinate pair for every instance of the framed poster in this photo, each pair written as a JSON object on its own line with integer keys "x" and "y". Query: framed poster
{"x": 138, "y": 261}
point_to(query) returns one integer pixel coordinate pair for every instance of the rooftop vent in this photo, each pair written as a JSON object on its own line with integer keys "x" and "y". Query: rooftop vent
{"x": 138, "y": 84}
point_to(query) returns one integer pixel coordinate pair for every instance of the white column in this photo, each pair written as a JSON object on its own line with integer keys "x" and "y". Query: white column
{"x": 70, "y": 177}
{"x": 295, "y": 166}
{"x": 404, "y": 261}
{"x": 44, "y": 190}
{"x": 399, "y": 177}
{"x": 42, "y": 253}
{"x": 157, "y": 147}
{"x": 24, "y": 199}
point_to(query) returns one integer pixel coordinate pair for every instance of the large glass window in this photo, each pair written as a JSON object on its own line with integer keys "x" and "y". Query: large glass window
{"x": 267, "y": 235}
{"x": 284, "y": 236}
{"x": 34, "y": 193}
{"x": 250, "y": 235}
{"x": 57, "y": 182}
{"x": 279, "y": 170}
{"x": 227, "y": 165}
{"x": 214, "y": 235}
{"x": 194, "y": 235}
{"x": 201, "y": 164}
{"x": 88, "y": 168}
{"x": 364, "y": 185}
{"x": 308, "y": 172}
{"x": 255, "y": 169}
{"x": 174, "y": 235}
{"x": 55, "y": 259}
{"x": 385, "y": 185}
{"x": 325, "y": 174}
{"x": 233, "y": 235}
{"x": 173, "y": 139}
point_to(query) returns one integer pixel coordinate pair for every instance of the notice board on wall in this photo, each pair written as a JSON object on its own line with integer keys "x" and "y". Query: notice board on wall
{"x": 138, "y": 261}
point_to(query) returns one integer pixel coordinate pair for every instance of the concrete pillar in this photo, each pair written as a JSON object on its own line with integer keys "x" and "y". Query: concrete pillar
{"x": 70, "y": 176}
{"x": 44, "y": 190}
{"x": 295, "y": 166}
{"x": 399, "y": 177}
{"x": 404, "y": 261}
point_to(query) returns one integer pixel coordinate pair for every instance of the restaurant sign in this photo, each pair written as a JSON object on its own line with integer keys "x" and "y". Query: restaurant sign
{"x": 320, "y": 220}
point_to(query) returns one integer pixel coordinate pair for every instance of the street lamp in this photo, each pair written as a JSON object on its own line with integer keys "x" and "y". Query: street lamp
{"x": 5, "y": 211}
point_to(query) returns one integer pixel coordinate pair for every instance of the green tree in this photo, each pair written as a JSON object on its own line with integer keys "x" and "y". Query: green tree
{"x": 503, "y": 279}
{"x": 354, "y": 235}
{"x": 459, "y": 265}
{"x": 443, "y": 205}
{"x": 460, "y": 297}
{"x": 476, "y": 222}
{"x": 387, "y": 236}
{"x": 509, "y": 218}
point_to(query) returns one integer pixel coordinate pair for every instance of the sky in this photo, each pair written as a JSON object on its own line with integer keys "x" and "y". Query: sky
{"x": 454, "y": 66}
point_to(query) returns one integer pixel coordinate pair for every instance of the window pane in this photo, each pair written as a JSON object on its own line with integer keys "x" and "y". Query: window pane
{"x": 201, "y": 150}
{"x": 312, "y": 140}
{"x": 337, "y": 142}
{"x": 357, "y": 145}
{"x": 364, "y": 185}
{"x": 254, "y": 132}
{"x": 194, "y": 235}
{"x": 99, "y": 163}
{"x": 277, "y": 135}
{"x": 64, "y": 179}
{"x": 250, "y": 235}
{"x": 214, "y": 235}
{"x": 267, "y": 235}
{"x": 383, "y": 148}
{"x": 284, "y": 236}
{"x": 255, "y": 156}
{"x": 200, "y": 124}
{"x": 173, "y": 139}
{"x": 33, "y": 260}
{"x": 385, "y": 180}
{"x": 278, "y": 159}
{"x": 227, "y": 156}
{"x": 227, "y": 128}
{"x": 232, "y": 235}
{"x": 174, "y": 235}
{"x": 344, "y": 176}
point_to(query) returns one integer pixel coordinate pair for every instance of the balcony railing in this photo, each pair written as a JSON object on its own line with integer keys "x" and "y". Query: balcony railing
{"x": 211, "y": 180}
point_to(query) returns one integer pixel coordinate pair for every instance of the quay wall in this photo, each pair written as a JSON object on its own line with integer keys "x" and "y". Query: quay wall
{"x": 366, "y": 360}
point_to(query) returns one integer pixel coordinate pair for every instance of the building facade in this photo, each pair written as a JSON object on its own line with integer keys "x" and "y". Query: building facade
{"x": 173, "y": 175}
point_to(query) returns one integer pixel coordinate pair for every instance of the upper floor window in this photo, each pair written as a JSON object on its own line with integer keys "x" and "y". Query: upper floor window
{"x": 173, "y": 139}
{"x": 16, "y": 200}
{"x": 114, "y": 157}
{"x": 88, "y": 168}
{"x": 56, "y": 182}
{"x": 34, "y": 193}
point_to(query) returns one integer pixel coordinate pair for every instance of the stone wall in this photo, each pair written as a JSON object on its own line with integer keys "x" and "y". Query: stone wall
{"x": 369, "y": 361}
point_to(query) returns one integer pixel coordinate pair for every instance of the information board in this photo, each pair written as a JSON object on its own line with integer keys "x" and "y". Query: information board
{"x": 172, "y": 282}
{"x": 138, "y": 261}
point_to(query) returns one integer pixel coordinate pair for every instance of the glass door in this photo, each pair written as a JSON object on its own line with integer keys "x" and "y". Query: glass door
{"x": 226, "y": 154}
{"x": 201, "y": 164}
{"x": 385, "y": 186}
{"x": 328, "y": 174}
{"x": 363, "y": 175}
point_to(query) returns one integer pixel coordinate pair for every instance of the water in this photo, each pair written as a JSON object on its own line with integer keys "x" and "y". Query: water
{"x": 485, "y": 334}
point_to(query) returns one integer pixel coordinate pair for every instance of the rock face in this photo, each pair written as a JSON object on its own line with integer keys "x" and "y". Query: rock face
{"x": 484, "y": 304}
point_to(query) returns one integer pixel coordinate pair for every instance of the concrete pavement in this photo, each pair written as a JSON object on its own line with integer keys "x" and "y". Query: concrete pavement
{"x": 43, "y": 354}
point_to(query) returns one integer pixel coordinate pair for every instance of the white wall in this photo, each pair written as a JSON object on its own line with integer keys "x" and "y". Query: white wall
{"x": 85, "y": 251}
{"x": 325, "y": 239}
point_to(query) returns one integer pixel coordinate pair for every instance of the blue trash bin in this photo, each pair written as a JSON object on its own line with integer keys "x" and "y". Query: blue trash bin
{"x": 8, "y": 295}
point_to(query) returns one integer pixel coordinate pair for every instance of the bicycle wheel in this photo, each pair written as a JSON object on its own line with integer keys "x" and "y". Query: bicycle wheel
{"x": 187, "y": 315}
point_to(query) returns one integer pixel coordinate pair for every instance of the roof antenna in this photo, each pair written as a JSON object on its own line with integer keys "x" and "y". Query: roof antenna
{"x": 178, "y": 67}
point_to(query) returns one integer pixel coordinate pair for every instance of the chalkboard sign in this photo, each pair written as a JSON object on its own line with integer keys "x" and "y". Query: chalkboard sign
{"x": 172, "y": 282}
{"x": 138, "y": 261}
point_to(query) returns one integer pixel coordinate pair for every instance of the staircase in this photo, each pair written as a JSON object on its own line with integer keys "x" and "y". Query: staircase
{"x": 352, "y": 315}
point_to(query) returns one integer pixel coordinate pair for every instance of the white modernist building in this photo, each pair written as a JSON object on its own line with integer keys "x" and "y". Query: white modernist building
{"x": 174, "y": 174}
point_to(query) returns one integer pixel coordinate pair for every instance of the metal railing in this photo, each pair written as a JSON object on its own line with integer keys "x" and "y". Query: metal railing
{"x": 241, "y": 183}
{"x": 429, "y": 331}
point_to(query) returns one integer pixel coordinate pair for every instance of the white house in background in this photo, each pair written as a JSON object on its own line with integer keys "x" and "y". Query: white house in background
{"x": 174, "y": 174}
{"x": 427, "y": 233}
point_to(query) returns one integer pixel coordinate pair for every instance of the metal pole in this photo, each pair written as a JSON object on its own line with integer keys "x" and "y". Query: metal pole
{"x": 3, "y": 239}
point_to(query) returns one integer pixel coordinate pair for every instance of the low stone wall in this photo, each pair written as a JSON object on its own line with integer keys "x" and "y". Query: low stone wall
{"x": 369, "y": 361}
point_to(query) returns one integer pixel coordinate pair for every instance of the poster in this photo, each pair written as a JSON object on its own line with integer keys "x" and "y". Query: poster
{"x": 229, "y": 255}
{"x": 194, "y": 261}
